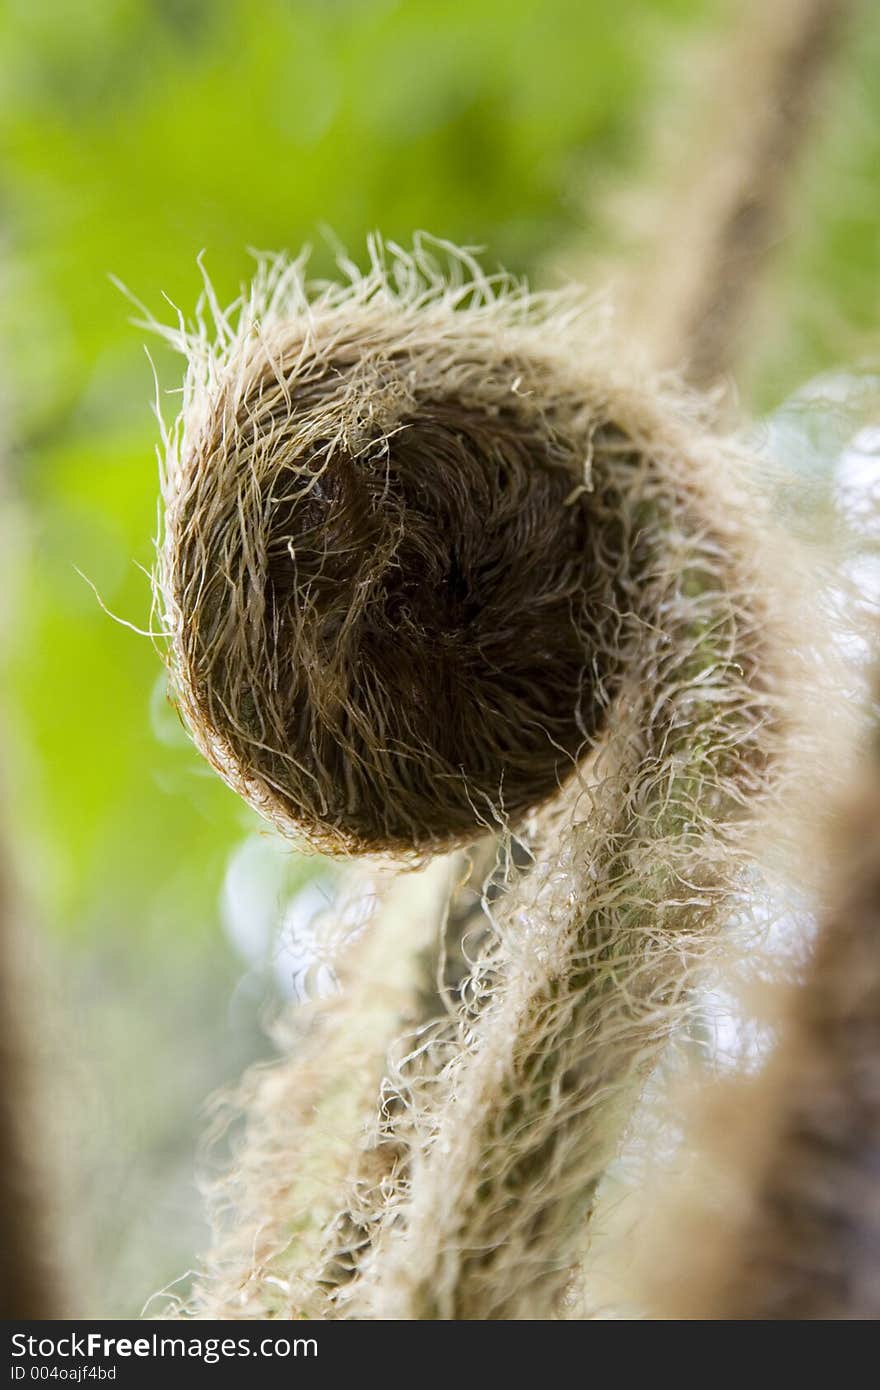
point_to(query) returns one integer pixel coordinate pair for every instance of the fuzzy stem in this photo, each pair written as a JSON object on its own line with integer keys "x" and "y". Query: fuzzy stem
{"x": 305, "y": 1115}
{"x": 439, "y": 970}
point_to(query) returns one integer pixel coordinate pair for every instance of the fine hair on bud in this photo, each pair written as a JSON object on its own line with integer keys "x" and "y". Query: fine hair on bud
{"x": 390, "y": 580}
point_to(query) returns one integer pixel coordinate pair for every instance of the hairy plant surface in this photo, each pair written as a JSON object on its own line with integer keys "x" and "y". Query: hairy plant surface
{"x": 436, "y": 555}
{"x": 389, "y": 576}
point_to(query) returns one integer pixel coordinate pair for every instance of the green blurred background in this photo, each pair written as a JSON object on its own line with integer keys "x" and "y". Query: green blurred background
{"x": 136, "y": 133}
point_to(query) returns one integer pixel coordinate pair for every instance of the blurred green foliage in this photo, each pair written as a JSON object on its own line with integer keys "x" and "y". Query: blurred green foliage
{"x": 135, "y": 134}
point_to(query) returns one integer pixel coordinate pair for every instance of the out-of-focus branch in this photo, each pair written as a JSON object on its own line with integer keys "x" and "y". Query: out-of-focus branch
{"x": 799, "y": 1233}
{"x": 27, "y": 1289}
{"x": 692, "y": 299}
{"x": 812, "y": 1249}
{"x": 30, "y": 1284}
